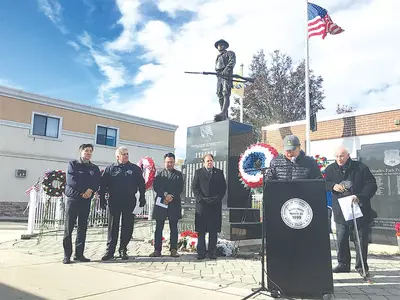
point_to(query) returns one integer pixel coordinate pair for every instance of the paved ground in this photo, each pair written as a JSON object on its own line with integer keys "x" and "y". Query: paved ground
{"x": 32, "y": 269}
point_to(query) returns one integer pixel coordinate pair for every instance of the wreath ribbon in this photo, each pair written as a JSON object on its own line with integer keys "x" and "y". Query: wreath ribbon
{"x": 149, "y": 170}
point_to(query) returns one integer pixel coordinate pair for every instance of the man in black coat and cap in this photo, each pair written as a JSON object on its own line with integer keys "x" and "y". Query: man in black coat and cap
{"x": 347, "y": 177}
{"x": 209, "y": 187}
{"x": 224, "y": 65}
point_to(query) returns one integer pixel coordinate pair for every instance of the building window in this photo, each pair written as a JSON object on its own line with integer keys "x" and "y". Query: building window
{"x": 46, "y": 126}
{"x": 106, "y": 136}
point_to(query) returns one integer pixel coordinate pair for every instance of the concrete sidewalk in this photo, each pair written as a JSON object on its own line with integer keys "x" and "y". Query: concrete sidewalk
{"x": 32, "y": 269}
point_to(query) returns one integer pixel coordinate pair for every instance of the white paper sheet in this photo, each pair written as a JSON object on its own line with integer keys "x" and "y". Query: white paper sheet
{"x": 345, "y": 206}
{"x": 159, "y": 202}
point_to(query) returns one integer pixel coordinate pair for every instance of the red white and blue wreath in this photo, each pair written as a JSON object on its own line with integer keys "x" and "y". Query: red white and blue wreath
{"x": 255, "y": 157}
{"x": 149, "y": 170}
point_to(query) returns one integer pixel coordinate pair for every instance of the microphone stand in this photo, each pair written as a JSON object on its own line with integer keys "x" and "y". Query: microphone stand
{"x": 262, "y": 288}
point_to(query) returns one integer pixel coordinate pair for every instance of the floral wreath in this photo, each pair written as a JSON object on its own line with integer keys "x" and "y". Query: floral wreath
{"x": 322, "y": 163}
{"x": 51, "y": 177}
{"x": 149, "y": 170}
{"x": 255, "y": 157}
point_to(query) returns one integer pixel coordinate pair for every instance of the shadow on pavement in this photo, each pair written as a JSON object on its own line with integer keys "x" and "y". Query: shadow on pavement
{"x": 10, "y": 293}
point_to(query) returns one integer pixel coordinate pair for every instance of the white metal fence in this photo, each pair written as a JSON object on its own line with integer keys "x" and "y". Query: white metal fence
{"x": 48, "y": 213}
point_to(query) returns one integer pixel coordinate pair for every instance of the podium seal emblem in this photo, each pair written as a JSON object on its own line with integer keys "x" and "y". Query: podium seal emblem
{"x": 296, "y": 213}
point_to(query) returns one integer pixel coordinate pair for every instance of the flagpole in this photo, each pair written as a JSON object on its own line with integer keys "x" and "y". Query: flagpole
{"x": 307, "y": 83}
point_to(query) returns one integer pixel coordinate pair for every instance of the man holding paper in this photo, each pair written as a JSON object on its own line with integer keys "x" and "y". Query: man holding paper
{"x": 351, "y": 181}
{"x": 168, "y": 186}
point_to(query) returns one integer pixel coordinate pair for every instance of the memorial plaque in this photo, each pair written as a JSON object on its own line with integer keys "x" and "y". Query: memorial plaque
{"x": 383, "y": 159}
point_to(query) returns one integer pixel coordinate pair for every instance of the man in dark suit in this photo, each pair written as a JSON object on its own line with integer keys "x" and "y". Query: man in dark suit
{"x": 83, "y": 180}
{"x": 168, "y": 186}
{"x": 347, "y": 177}
{"x": 209, "y": 187}
{"x": 121, "y": 180}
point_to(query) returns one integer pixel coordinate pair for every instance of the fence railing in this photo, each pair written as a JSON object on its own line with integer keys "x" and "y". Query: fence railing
{"x": 48, "y": 213}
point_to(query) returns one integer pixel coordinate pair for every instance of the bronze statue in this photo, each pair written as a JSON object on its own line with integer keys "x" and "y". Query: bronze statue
{"x": 224, "y": 65}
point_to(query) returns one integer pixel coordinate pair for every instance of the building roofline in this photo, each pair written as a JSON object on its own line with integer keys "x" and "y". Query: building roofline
{"x": 333, "y": 117}
{"x": 101, "y": 112}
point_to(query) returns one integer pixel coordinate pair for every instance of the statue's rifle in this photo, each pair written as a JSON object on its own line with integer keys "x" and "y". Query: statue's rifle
{"x": 233, "y": 77}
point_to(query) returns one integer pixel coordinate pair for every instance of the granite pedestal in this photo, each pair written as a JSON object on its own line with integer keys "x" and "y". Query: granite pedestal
{"x": 225, "y": 140}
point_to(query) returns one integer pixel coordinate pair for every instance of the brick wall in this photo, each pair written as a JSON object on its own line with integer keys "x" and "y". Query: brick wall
{"x": 350, "y": 125}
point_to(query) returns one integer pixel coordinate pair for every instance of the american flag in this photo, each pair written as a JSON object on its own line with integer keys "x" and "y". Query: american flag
{"x": 320, "y": 23}
{"x": 35, "y": 186}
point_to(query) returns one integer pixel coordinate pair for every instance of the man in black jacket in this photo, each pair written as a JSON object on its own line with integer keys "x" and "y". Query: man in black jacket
{"x": 293, "y": 164}
{"x": 83, "y": 179}
{"x": 168, "y": 186}
{"x": 344, "y": 178}
{"x": 209, "y": 187}
{"x": 121, "y": 180}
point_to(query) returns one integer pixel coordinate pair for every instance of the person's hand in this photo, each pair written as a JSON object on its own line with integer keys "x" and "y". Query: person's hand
{"x": 355, "y": 199}
{"x": 339, "y": 188}
{"x": 169, "y": 198}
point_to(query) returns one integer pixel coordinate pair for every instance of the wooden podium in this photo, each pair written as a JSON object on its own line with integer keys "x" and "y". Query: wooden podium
{"x": 299, "y": 262}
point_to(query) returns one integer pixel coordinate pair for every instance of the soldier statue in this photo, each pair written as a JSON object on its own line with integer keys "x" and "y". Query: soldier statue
{"x": 224, "y": 65}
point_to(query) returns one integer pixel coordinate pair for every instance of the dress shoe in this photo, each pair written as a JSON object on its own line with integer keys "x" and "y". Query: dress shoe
{"x": 81, "y": 258}
{"x": 341, "y": 269}
{"x": 107, "y": 256}
{"x": 212, "y": 256}
{"x": 156, "y": 253}
{"x": 201, "y": 256}
{"x": 123, "y": 254}
{"x": 174, "y": 253}
{"x": 66, "y": 260}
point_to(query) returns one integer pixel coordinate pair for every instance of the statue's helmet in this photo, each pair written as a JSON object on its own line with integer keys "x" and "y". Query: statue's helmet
{"x": 221, "y": 42}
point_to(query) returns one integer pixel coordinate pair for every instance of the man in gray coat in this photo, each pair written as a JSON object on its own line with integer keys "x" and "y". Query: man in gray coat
{"x": 168, "y": 186}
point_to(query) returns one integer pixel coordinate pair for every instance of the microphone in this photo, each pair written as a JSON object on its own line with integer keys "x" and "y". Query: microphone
{"x": 293, "y": 159}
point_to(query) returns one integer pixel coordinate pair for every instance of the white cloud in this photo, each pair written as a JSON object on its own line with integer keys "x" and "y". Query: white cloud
{"x": 110, "y": 66}
{"x": 173, "y": 6}
{"x": 74, "y": 45}
{"x": 130, "y": 16}
{"x": 362, "y": 58}
{"x": 52, "y": 9}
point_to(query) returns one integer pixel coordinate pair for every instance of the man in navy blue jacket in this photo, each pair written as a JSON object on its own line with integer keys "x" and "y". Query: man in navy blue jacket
{"x": 121, "y": 180}
{"x": 83, "y": 180}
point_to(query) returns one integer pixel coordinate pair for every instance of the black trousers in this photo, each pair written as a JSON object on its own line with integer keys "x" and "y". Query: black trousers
{"x": 212, "y": 243}
{"x": 114, "y": 218}
{"x": 173, "y": 237}
{"x": 75, "y": 209}
{"x": 343, "y": 233}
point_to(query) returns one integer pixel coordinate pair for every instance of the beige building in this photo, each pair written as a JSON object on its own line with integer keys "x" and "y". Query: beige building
{"x": 38, "y": 133}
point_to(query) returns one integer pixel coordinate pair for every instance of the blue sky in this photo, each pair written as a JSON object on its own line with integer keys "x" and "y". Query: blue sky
{"x": 130, "y": 55}
{"x": 41, "y": 46}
